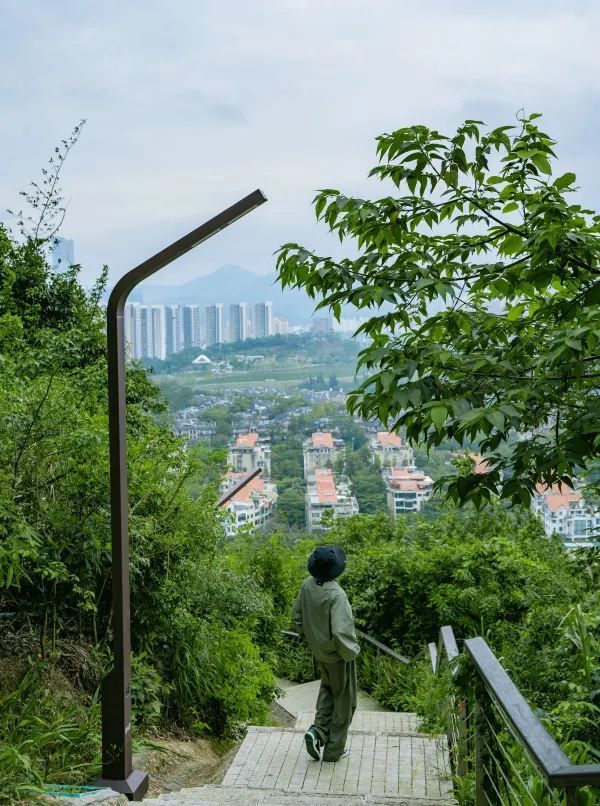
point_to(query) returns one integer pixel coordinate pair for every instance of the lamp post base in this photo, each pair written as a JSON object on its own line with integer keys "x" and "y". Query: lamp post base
{"x": 134, "y": 786}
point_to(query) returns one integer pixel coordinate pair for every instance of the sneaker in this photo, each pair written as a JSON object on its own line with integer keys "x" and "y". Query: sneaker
{"x": 345, "y": 754}
{"x": 313, "y": 744}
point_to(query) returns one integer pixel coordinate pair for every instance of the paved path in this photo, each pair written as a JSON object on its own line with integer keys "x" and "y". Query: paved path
{"x": 390, "y": 764}
{"x": 300, "y": 697}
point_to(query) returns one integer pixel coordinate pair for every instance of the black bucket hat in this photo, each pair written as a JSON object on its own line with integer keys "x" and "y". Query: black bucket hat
{"x": 326, "y": 562}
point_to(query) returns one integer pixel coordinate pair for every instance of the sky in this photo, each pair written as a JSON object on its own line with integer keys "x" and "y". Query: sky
{"x": 191, "y": 104}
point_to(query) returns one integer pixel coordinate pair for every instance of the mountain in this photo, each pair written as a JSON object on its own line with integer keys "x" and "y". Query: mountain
{"x": 229, "y": 284}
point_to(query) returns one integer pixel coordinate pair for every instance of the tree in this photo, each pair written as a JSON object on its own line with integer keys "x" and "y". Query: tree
{"x": 486, "y": 280}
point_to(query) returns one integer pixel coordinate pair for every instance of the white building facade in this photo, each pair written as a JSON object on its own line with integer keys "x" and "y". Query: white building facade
{"x": 565, "y": 513}
{"x": 407, "y": 490}
{"x": 321, "y": 450}
{"x": 250, "y": 452}
{"x": 327, "y": 494}
{"x": 391, "y": 450}
{"x": 251, "y": 507}
{"x": 262, "y": 320}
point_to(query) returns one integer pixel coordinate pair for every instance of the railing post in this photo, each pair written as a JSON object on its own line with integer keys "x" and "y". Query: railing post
{"x": 462, "y": 749}
{"x": 481, "y": 756}
{"x": 572, "y": 797}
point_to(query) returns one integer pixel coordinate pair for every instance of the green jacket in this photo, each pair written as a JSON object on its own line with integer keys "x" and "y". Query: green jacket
{"x": 322, "y": 614}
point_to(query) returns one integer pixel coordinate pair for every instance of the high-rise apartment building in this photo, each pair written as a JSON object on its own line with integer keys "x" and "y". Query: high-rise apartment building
{"x": 238, "y": 322}
{"x": 280, "y": 326}
{"x": 214, "y": 324}
{"x": 173, "y": 329}
{"x": 145, "y": 330}
{"x": 263, "y": 320}
{"x": 191, "y": 326}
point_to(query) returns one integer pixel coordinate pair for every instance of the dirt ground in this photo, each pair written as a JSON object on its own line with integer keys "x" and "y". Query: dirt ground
{"x": 184, "y": 764}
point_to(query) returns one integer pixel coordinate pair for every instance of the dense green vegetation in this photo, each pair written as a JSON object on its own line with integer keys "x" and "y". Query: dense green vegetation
{"x": 491, "y": 573}
{"x": 491, "y": 273}
{"x": 301, "y": 348}
{"x": 201, "y": 630}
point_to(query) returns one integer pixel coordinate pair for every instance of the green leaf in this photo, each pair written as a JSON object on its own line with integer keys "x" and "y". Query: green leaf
{"x": 541, "y": 163}
{"x": 512, "y": 244}
{"x": 592, "y": 295}
{"x": 438, "y": 416}
{"x": 564, "y": 181}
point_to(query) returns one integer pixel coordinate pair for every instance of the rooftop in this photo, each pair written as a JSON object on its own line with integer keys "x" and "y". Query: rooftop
{"x": 481, "y": 465}
{"x": 405, "y": 480}
{"x": 559, "y": 496}
{"x": 322, "y": 439}
{"x": 247, "y": 440}
{"x": 387, "y": 439}
{"x": 255, "y": 485}
{"x": 325, "y": 486}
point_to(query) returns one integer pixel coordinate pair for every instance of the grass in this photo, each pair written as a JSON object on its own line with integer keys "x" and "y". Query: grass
{"x": 273, "y": 375}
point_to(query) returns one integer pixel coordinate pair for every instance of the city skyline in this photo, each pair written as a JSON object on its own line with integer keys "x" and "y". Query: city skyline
{"x": 159, "y": 330}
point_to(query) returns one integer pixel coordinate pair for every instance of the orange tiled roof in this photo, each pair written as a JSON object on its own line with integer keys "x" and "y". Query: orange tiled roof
{"x": 254, "y": 485}
{"x": 325, "y": 486}
{"x": 322, "y": 439}
{"x": 408, "y": 481}
{"x": 405, "y": 473}
{"x": 481, "y": 464}
{"x": 556, "y": 498}
{"x": 389, "y": 439}
{"x": 247, "y": 440}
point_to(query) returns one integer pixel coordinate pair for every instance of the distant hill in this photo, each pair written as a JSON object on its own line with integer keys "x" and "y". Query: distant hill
{"x": 229, "y": 284}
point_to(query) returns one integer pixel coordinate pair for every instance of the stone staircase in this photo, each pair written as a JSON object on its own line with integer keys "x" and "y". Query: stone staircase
{"x": 390, "y": 763}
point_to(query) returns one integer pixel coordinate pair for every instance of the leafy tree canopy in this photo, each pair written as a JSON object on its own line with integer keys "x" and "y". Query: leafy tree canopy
{"x": 484, "y": 280}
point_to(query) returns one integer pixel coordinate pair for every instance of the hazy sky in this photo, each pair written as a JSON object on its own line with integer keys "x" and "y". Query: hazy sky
{"x": 191, "y": 104}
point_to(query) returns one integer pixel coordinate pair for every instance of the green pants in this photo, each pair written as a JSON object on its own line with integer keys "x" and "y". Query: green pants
{"x": 336, "y": 704}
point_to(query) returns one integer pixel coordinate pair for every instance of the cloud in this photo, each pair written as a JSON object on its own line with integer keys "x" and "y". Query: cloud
{"x": 191, "y": 105}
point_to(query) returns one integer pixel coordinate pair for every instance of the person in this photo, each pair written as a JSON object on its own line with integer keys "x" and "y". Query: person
{"x": 322, "y": 614}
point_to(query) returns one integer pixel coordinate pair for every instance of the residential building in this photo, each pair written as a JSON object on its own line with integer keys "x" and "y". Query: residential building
{"x": 173, "y": 329}
{"x": 145, "y": 327}
{"x": 321, "y": 450}
{"x": 323, "y": 324}
{"x": 238, "y": 322}
{"x": 407, "y": 489}
{"x": 262, "y": 320}
{"x": 280, "y": 326}
{"x": 563, "y": 511}
{"x": 391, "y": 450}
{"x": 63, "y": 254}
{"x": 214, "y": 324}
{"x": 190, "y": 320}
{"x": 326, "y": 493}
{"x": 249, "y": 453}
{"x": 252, "y": 506}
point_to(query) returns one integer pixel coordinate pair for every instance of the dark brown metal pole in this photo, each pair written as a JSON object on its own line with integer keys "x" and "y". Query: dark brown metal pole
{"x": 117, "y": 768}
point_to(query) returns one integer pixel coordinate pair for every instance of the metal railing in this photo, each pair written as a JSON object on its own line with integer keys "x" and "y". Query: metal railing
{"x": 380, "y": 649}
{"x": 495, "y": 736}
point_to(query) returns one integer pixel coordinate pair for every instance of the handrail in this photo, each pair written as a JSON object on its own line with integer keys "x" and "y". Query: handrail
{"x": 237, "y": 487}
{"x": 373, "y": 641}
{"x": 550, "y": 759}
{"x": 383, "y": 648}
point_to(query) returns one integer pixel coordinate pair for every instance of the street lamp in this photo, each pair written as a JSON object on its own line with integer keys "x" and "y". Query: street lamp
{"x": 117, "y": 768}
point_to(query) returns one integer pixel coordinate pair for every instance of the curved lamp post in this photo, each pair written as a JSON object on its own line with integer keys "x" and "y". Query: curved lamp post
{"x": 117, "y": 769}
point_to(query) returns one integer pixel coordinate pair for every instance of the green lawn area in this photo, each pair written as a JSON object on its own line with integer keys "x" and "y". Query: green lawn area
{"x": 284, "y": 375}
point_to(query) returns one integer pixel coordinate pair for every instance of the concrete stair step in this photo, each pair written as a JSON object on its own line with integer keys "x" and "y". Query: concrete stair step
{"x": 235, "y": 796}
{"x": 379, "y": 765}
{"x": 390, "y": 722}
{"x": 298, "y": 697}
